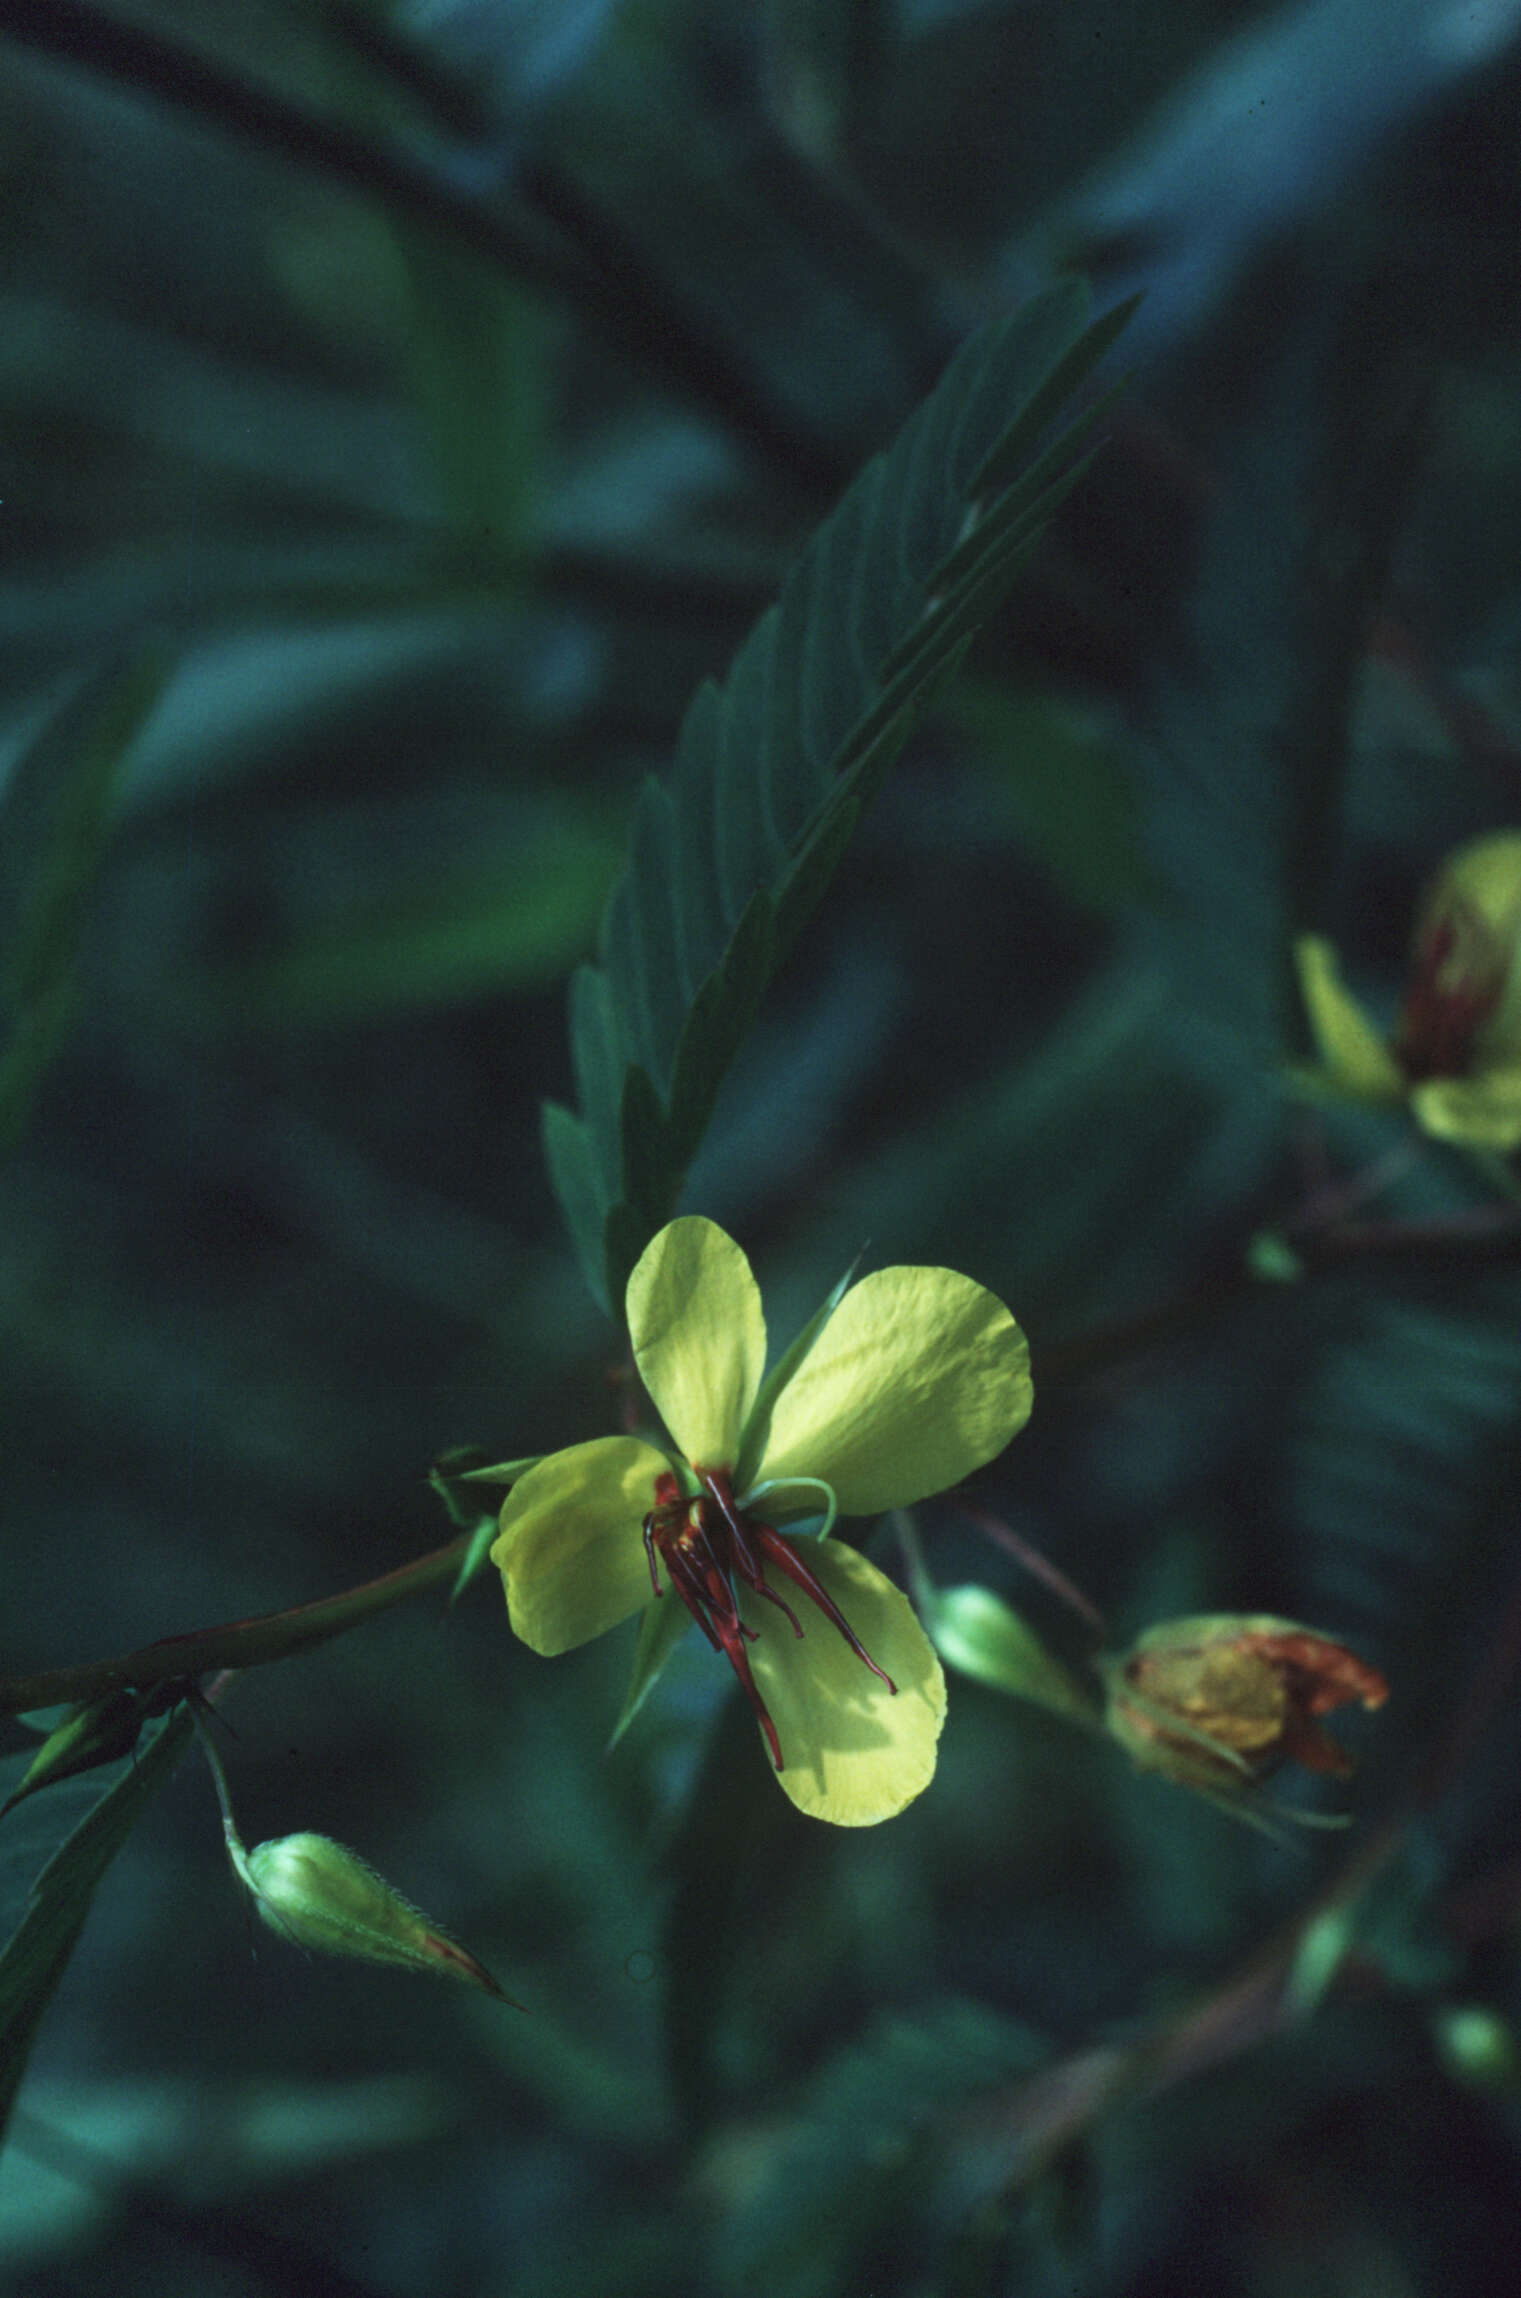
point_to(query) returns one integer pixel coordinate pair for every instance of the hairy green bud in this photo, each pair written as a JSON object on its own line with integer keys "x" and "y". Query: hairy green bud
{"x": 321, "y": 1896}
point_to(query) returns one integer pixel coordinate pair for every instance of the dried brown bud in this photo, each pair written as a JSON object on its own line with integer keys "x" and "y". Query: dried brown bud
{"x": 1218, "y": 1701}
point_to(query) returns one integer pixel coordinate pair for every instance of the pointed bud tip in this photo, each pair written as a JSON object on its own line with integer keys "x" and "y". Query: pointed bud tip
{"x": 324, "y": 1897}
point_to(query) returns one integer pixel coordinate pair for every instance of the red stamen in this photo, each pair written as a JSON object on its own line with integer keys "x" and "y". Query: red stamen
{"x": 707, "y": 1543}
{"x": 667, "y": 1498}
{"x": 786, "y": 1559}
{"x": 739, "y": 1661}
{"x": 781, "y": 1552}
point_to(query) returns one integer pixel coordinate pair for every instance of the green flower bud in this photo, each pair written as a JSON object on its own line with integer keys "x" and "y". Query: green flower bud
{"x": 317, "y": 1894}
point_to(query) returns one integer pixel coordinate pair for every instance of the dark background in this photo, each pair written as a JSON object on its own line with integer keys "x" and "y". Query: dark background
{"x": 437, "y": 392}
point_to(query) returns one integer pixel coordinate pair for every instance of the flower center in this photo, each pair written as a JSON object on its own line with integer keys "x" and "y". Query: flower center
{"x": 710, "y": 1547}
{"x": 1455, "y": 985}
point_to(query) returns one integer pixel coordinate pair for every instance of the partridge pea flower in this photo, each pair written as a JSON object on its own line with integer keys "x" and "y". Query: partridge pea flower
{"x": 1455, "y": 1054}
{"x": 913, "y": 1378}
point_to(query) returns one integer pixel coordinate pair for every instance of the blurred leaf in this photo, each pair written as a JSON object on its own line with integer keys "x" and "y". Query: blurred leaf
{"x": 1477, "y": 2046}
{"x": 774, "y": 767}
{"x": 1072, "y": 797}
{"x": 471, "y": 356}
{"x": 1399, "y": 1471}
{"x": 853, "y": 2179}
{"x": 54, "y": 817}
{"x": 480, "y": 933}
{"x": 1324, "y": 1945}
{"x": 38, "y": 1949}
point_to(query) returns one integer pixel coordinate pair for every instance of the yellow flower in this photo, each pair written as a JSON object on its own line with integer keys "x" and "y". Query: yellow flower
{"x": 1456, "y": 1053}
{"x": 912, "y": 1380}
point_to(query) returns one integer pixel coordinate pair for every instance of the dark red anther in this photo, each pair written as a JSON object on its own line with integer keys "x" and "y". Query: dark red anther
{"x": 786, "y": 1559}
{"x": 708, "y": 1543}
{"x": 667, "y": 1500}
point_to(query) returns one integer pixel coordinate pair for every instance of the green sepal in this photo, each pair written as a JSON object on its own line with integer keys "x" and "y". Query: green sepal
{"x": 752, "y": 1442}
{"x": 476, "y": 1556}
{"x": 463, "y": 1479}
{"x": 101, "y": 1731}
{"x": 975, "y": 1631}
{"x": 661, "y": 1628}
{"x": 457, "y": 1475}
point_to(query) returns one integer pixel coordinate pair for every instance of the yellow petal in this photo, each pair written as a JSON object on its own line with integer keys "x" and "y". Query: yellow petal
{"x": 1481, "y": 1112}
{"x": 1352, "y": 1049}
{"x": 1486, "y": 876}
{"x": 694, "y": 1317}
{"x": 852, "y": 1751}
{"x": 571, "y": 1547}
{"x": 918, "y": 1378}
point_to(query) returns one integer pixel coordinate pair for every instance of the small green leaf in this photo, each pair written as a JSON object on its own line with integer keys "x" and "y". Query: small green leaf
{"x": 455, "y": 1473}
{"x": 471, "y": 353}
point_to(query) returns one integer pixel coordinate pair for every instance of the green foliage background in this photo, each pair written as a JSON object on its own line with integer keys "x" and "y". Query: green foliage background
{"x": 403, "y": 409}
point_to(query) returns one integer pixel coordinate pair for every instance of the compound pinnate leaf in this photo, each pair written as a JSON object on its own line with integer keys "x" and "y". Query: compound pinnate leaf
{"x": 774, "y": 766}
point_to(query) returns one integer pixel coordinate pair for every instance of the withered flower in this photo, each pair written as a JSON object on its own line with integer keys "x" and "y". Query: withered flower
{"x": 1218, "y": 1701}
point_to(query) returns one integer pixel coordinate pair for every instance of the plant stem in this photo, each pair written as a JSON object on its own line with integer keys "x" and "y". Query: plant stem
{"x": 1485, "y": 1239}
{"x": 233, "y": 1840}
{"x": 235, "y": 1643}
